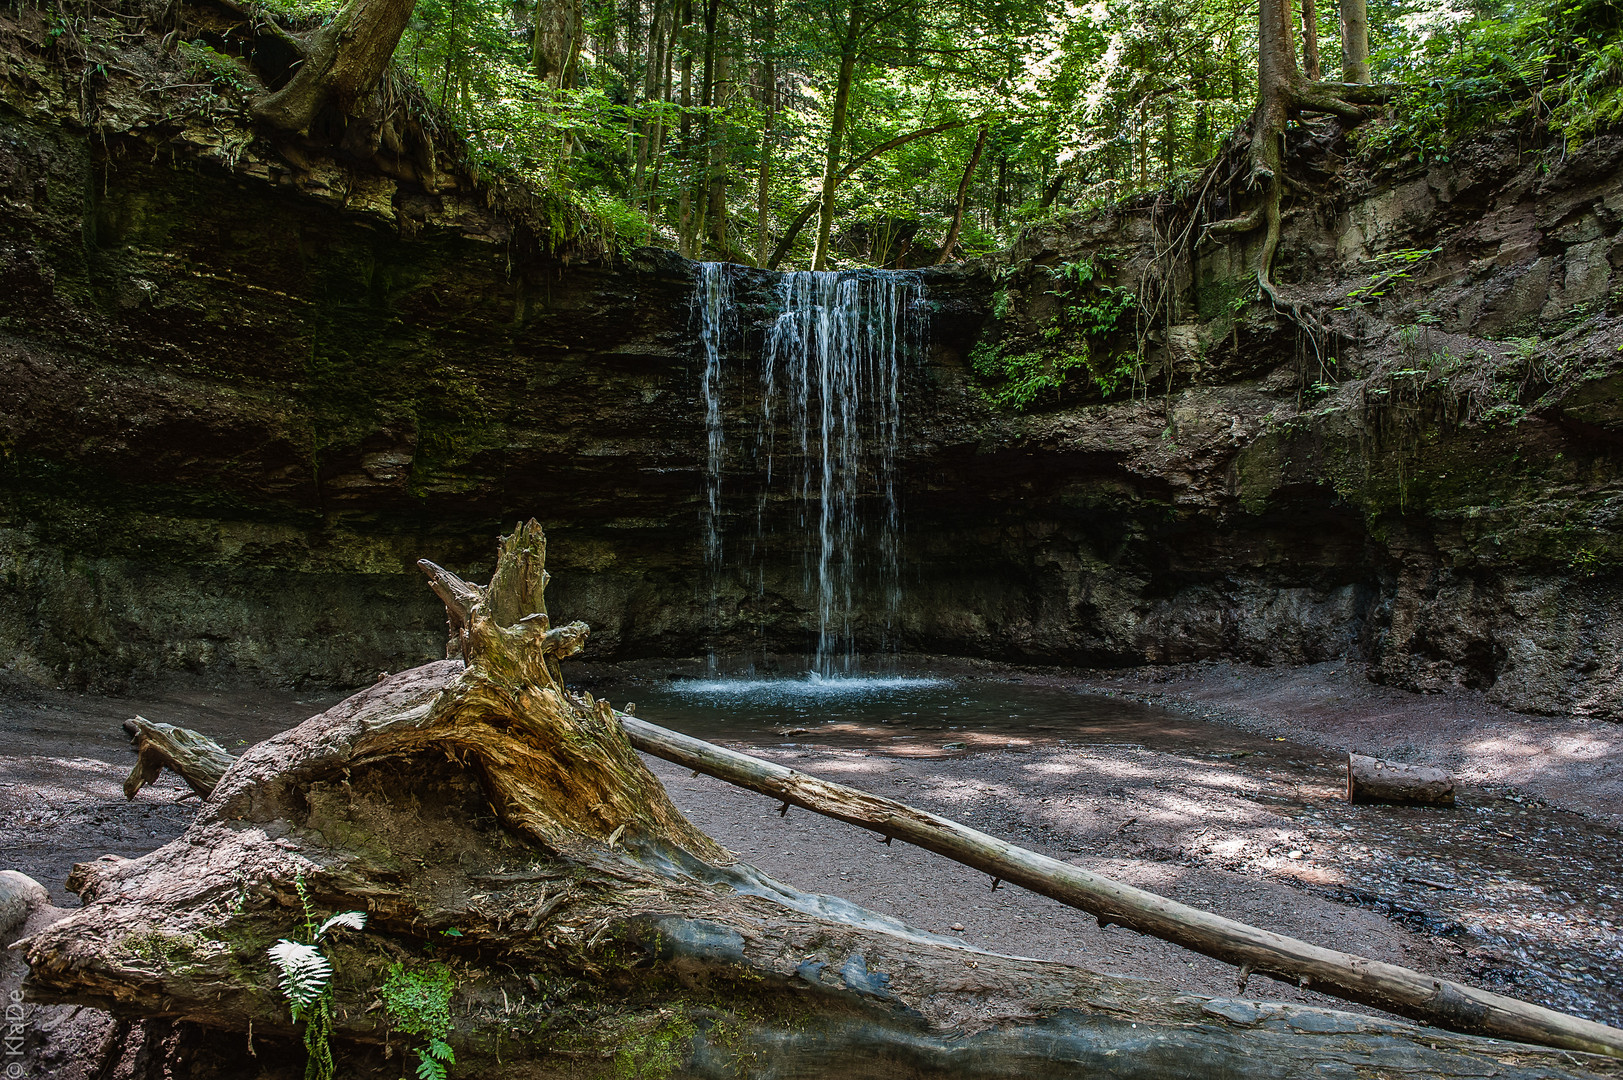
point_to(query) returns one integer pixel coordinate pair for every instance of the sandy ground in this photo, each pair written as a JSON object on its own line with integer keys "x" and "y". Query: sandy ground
{"x": 1573, "y": 763}
{"x": 1519, "y": 889}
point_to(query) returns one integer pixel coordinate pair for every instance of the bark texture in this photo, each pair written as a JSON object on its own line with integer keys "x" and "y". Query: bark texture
{"x": 503, "y": 835}
{"x": 196, "y": 759}
{"x": 344, "y": 61}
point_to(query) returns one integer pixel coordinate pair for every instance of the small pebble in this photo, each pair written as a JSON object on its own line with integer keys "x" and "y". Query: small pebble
{"x": 958, "y": 926}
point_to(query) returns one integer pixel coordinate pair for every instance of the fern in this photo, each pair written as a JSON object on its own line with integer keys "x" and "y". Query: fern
{"x": 344, "y": 920}
{"x": 305, "y": 973}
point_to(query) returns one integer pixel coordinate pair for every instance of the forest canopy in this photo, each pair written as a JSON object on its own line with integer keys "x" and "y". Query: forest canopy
{"x": 941, "y": 129}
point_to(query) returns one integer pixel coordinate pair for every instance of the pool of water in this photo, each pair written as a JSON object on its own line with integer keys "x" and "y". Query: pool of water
{"x": 909, "y": 713}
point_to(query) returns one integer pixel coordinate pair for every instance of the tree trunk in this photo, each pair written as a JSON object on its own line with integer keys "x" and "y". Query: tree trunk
{"x": 1000, "y": 189}
{"x": 721, "y": 96}
{"x": 344, "y": 61}
{"x": 1310, "y": 41}
{"x": 555, "y": 55}
{"x": 1052, "y": 190}
{"x": 963, "y": 197}
{"x": 651, "y": 87}
{"x": 657, "y": 150}
{"x": 509, "y": 845}
{"x": 1354, "y": 978}
{"x": 836, "y": 134}
{"x": 557, "y": 42}
{"x": 1370, "y": 780}
{"x": 1281, "y": 92}
{"x": 1354, "y": 41}
{"x": 769, "y": 106}
{"x": 684, "y": 197}
{"x": 1144, "y": 142}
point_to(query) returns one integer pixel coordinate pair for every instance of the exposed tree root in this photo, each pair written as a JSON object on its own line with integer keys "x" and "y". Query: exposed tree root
{"x": 1283, "y": 95}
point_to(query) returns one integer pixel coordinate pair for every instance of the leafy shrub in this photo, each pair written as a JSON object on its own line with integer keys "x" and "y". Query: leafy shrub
{"x": 419, "y": 1003}
{"x": 1075, "y": 340}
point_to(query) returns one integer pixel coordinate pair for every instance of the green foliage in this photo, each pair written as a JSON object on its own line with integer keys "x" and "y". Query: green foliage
{"x": 1018, "y": 380}
{"x": 419, "y": 1003}
{"x": 208, "y": 63}
{"x": 1087, "y": 315}
{"x": 1555, "y": 64}
{"x": 1083, "y": 104}
{"x": 1391, "y": 268}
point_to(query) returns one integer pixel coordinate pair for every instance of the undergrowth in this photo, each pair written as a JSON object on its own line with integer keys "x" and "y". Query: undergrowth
{"x": 1555, "y": 65}
{"x": 419, "y": 1003}
{"x": 1078, "y": 343}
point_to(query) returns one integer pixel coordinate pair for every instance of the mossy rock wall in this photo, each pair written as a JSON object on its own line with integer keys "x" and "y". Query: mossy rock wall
{"x": 243, "y": 389}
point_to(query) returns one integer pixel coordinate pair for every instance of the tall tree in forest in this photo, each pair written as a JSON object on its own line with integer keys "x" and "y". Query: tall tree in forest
{"x": 769, "y": 110}
{"x": 871, "y": 154}
{"x": 850, "y": 39}
{"x": 1282, "y": 94}
{"x": 951, "y": 241}
{"x": 1310, "y": 42}
{"x": 1354, "y": 41}
{"x": 556, "y": 51}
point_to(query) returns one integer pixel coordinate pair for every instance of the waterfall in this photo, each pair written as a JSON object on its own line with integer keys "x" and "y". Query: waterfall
{"x": 713, "y": 312}
{"x": 826, "y": 437}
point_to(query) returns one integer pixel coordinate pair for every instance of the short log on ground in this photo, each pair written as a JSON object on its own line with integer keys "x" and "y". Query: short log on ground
{"x": 1371, "y": 780}
{"x": 196, "y": 759}
{"x": 510, "y": 845}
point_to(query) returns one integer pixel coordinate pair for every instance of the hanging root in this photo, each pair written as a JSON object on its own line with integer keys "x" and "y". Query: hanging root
{"x": 1345, "y": 101}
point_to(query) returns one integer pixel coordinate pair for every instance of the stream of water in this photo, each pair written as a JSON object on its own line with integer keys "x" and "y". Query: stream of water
{"x": 828, "y": 379}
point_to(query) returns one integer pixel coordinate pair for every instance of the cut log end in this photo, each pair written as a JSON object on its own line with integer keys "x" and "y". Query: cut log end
{"x": 1371, "y": 780}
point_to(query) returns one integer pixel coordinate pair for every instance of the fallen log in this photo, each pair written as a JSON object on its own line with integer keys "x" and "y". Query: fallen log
{"x": 20, "y": 897}
{"x": 196, "y": 759}
{"x": 1418, "y": 996}
{"x": 511, "y": 849}
{"x": 1371, "y": 780}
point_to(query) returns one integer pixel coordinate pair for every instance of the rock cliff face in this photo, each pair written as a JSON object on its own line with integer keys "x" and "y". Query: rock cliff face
{"x": 246, "y": 384}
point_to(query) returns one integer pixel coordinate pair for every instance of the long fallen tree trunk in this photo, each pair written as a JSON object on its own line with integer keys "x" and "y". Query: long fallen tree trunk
{"x": 1418, "y": 996}
{"x": 537, "y": 907}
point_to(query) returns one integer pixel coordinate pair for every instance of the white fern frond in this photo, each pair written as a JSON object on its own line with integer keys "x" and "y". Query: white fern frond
{"x": 345, "y": 920}
{"x": 304, "y": 972}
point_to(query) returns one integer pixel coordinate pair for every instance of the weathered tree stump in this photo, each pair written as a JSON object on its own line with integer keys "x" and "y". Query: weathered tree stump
{"x": 503, "y": 835}
{"x": 196, "y": 759}
{"x": 1371, "y": 780}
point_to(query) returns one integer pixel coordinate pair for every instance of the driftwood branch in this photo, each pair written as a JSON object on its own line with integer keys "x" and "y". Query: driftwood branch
{"x": 1400, "y": 990}
{"x": 196, "y": 759}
